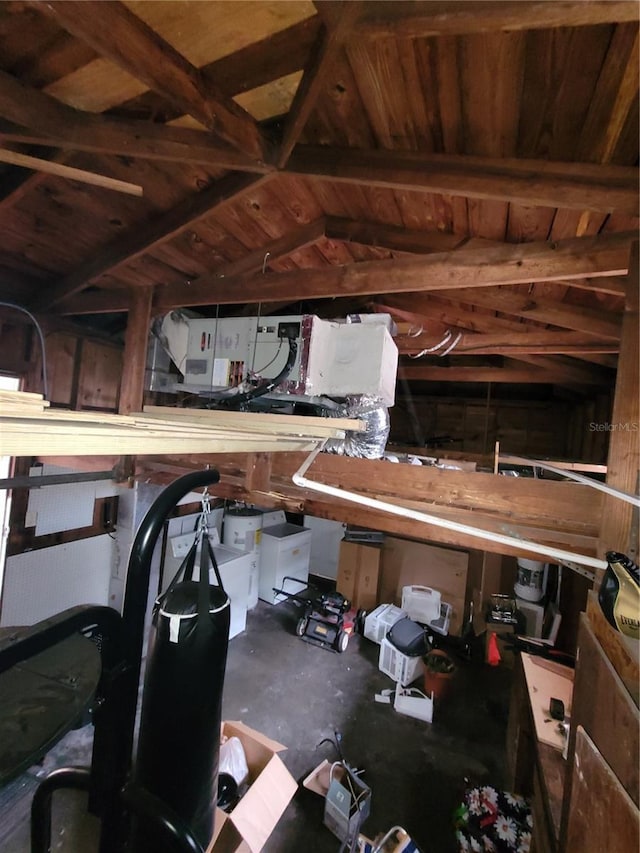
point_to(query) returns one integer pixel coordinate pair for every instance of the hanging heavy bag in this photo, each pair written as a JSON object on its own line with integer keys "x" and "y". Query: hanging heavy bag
{"x": 179, "y": 739}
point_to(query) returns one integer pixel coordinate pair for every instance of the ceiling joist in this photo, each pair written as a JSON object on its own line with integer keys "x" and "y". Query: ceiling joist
{"x": 473, "y": 268}
{"x": 486, "y": 267}
{"x": 576, "y": 186}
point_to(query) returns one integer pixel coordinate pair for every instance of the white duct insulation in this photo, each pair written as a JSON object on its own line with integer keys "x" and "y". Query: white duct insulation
{"x": 572, "y": 475}
{"x": 556, "y": 555}
{"x": 371, "y": 443}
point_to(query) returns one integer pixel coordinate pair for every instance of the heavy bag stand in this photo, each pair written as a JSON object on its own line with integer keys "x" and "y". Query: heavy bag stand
{"x": 113, "y": 796}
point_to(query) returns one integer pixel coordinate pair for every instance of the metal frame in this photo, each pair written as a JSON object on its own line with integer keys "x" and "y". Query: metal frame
{"x": 112, "y": 796}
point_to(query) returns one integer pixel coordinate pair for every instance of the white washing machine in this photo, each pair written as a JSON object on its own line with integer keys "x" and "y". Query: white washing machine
{"x": 234, "y": 567}
{"x": 285, "y": 552}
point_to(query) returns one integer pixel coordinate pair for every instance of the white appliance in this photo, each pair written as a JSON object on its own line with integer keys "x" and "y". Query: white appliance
{"x": 273, "y": 516}
{"x": 242, "y": 532}
{"x": 533, "y": 616}
{"x": 326, "y": 536}
{"x": 285, "y": 552}
{"x": 234, "y": 567}
{"x": 531, "y": 581}
{"x": 333, "y": 359}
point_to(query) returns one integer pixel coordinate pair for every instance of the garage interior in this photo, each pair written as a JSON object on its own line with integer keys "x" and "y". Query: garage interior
{"x": 451, "y": 188}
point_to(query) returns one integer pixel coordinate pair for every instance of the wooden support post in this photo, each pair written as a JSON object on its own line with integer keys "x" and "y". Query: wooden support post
{"x": 135, "y": 350}
{"x": 617, "y": 532}
{"x": 258, "y": 476}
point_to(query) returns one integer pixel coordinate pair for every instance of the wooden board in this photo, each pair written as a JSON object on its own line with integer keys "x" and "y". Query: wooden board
{"x": 544, "y": 683}
{"x": 622, "y": 655}
{"x": 603, "y": 707}
{"x": 602, "y": 816}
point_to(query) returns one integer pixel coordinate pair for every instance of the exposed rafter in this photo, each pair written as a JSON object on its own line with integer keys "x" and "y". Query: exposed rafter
{"x": 192, "y": 210}
{"x": 124, "y": 38}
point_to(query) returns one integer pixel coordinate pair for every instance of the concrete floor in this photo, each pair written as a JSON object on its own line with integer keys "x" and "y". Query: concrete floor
{"x": 299, "y": 694}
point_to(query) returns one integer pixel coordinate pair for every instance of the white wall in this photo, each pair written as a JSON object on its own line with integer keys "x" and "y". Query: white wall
{"x": 39, "y": 584}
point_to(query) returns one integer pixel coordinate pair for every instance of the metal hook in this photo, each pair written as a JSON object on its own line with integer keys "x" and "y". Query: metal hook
{"x": 264, "y": 262}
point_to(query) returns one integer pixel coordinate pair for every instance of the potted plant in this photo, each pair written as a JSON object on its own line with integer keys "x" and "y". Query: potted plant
{"x": 439, "y": 669}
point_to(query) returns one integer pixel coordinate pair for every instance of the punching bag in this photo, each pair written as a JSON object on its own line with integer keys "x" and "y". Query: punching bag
{"x": 179, "y": 737}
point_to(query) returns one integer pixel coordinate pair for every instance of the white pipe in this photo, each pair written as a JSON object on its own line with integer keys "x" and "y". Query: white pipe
{"x": 579, "y": 478}
{"x": 556, "y": 555}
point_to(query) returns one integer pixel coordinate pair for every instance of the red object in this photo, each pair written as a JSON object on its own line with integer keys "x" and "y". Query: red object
{"x": 493, "y": 653}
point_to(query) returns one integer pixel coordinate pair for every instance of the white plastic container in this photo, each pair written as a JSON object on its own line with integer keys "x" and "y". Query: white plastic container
{"x": 414, "y": 703}
{"x": 421, "y": 603}
{"x": 531, "y": 581}
{"x": 380, "y": 620}
{"x": 402, "y": 668}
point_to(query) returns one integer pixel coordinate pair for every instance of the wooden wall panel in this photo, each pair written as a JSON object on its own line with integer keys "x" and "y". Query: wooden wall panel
{"x": 602, "y": 816}
{"x": 606, "y": 711}
{"x": 99, "y": 376}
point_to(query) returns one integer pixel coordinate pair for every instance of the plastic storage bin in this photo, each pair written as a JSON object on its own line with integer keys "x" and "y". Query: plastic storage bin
{"x": 402, "y": 668}
{"x": 421, "y": 603}
{"x": 380, "y": 620}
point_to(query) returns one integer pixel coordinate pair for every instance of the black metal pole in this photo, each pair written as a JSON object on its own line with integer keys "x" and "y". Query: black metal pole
{"x": 77, "y": 778}
{"x": 115, "y": 720}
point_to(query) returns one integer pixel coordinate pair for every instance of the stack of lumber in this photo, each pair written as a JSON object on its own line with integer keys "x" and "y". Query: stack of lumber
{"x": 29, "y": 427}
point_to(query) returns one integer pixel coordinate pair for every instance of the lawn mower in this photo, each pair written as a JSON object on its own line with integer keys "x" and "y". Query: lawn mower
{"x": 324, "y": 621}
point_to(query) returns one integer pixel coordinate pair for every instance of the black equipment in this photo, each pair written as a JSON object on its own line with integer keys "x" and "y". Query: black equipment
{"x": 408, "y": 637}
{"x": 323, "y": 621}
{"x": 114, "y": 796}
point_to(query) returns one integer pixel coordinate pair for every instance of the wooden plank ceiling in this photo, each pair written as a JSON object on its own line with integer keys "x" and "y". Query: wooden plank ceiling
{"x": 470, "y": 167}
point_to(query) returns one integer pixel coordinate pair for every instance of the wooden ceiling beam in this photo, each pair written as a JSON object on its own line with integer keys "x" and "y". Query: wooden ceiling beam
{"x": 473, "y": 268}
{"x": 49, "y": 122}
{"x": 114, "y": 32}
{"x": 511, "y": 344}
{"x": 569, "y": 369}
{"x": 579, "y": 186}
{"x": 403, "y": 19}
{"x": 401, "y": 239}
{"x": 143, "y": 238}
{"x": 514, "y": 375}
{"x": 549, "y": 311}
{"x": 321, "y": 63}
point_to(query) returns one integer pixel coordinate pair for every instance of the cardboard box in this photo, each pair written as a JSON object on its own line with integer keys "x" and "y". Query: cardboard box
{"x": 271, "y": 787}
{"x": 406, "y": 562}
{"x": 358, "y": 574}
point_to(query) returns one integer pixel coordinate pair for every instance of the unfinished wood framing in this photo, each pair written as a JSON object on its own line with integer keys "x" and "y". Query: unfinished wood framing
{"x": 619, "y": 531}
